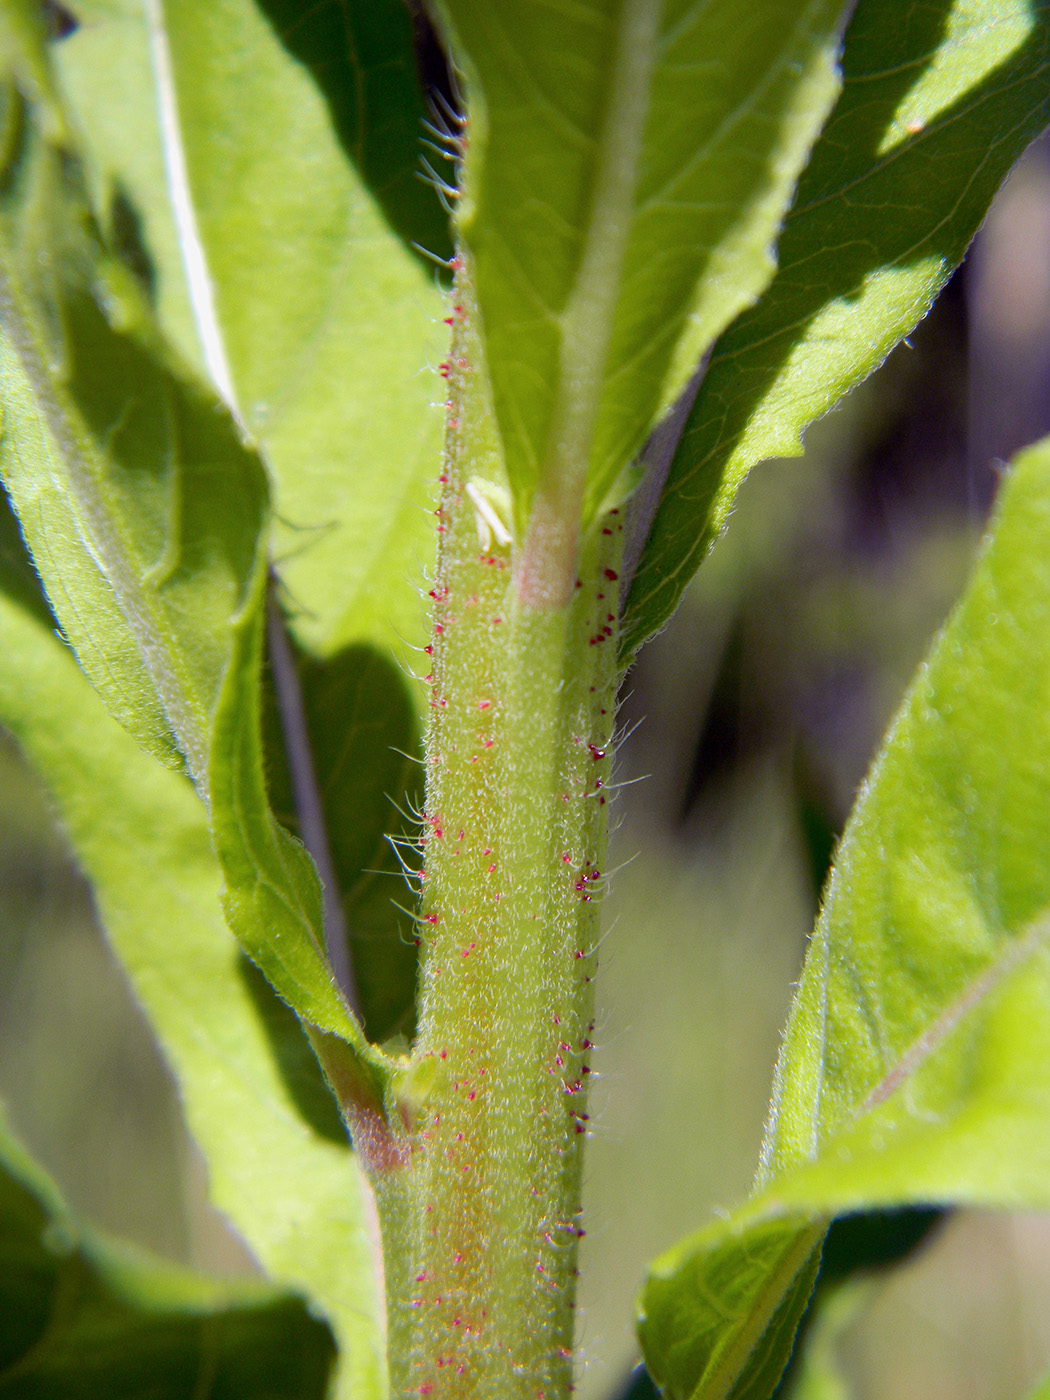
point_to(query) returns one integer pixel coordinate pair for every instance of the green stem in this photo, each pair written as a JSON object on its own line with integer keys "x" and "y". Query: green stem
{"x": 481, "y": 1218}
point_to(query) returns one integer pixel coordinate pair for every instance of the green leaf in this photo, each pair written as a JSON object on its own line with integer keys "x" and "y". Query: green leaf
{"x": 939, "y": 99}
{"x": 362, "y": 730}
{"x": 141, "y": 506}
{"x": 84, "y": 1316}
{"x": 916, "y": 1065}
{"x": 23, "y": 35}
{"x": 317, "y": 215}
{"x": 146, "y": 517}
{"x": 19, "y": 581}
{"x": 279, "y": 1161}
{"x": 628, "y": 169}
{"x": 273, "y": 897}
{"x": 278, "y": 144}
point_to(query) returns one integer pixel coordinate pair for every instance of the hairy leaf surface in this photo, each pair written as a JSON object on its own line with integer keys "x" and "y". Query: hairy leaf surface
{"x": 269, "y": 155}
{"x": 279, "y": 1162}
{"x": 916, "y": 1065}
{"x": 939, "y": 99}
{"x": 141, "y": 505}
{"x": 628, "y": 168}
{"x": 268, "y": 188}
{"x": 146, "y": 516}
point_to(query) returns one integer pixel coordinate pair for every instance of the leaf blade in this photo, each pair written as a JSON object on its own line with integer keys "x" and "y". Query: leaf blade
{"x": 621, "y": 193}
{"x": 345, "y": 297}
{"x": 297, "y": 133}
{"x": 129, "y": 485}
{"x": 914, "y": 1066}
{"x": 86, "y": 1315}
{"x": 937, "y": 104}
{"x": 272, "y": 898}
{"x": 147, "y": 517}
{"x": 279, "y": 1162}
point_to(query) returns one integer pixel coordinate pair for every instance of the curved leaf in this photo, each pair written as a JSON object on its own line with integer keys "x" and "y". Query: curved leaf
{"x": 279, "y": 1160}
{"x": 294, "y": 277}
{"x": 141, "y": 505}
{"x": 147, "y": 518}
{"x": 84, "y": 1316}
{"x": 174, "y": 633}
{"x": 939, "y": 99}
{"x": 916, "y": 1065}
{"x": 362, "y": 730}
{"x": 628, "y": 168}
{"x": 270, "y": 152}
{"x": 273, "y": 898}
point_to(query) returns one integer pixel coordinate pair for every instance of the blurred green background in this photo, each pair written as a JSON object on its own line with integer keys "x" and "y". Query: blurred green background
{"x": 754, "y": 717}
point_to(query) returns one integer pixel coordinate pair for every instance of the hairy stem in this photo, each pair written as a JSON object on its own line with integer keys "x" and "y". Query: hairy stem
{"x": 482, "y": 1216}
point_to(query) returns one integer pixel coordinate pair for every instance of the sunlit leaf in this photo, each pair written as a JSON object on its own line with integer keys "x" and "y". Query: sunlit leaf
{"x": 278, "y": 1158}
{"x": 290, "y": 273}
{"x": 915, "y": 1066}
{"x": 270, "y": 155}
{"x": 939, "y": 99}
{"x": 628, "y": 168}
{"x": 146, "y": 517}
{"x": 141, "y": 505}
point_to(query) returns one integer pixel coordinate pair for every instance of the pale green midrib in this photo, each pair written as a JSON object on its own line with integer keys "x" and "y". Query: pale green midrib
{"x": 588, "y": 319}
{"x": 1015, "y": 952}
{"x": 199, "y": 283}
{"x": 730, "y": 1364}
{"x": 185, "y": 711}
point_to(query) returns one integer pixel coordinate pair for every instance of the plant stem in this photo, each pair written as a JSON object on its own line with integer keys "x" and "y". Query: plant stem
{"x": 482, "y": 1219}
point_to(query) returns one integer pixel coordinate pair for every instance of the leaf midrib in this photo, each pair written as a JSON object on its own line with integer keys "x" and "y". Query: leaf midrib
{"x": 184, "y": 709}
{"x": 587, "y": 321}
{"x": 1015, "y": 952}
{"x": 199, "y": 283}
